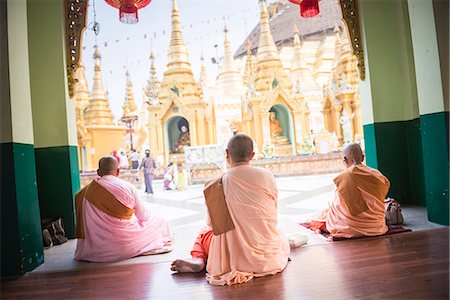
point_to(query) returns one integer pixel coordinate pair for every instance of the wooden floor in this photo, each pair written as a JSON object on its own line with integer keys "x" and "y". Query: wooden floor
{"x": 404, "y": 266}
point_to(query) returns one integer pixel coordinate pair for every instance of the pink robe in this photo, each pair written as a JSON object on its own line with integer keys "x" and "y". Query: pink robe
{"x": 110, "y": 239}
{"x": 340, "y": 222}
{"x": 255, "y": 247}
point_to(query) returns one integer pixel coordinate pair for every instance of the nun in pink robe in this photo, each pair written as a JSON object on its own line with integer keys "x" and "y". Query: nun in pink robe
{"x": 255, "y": 247}
{"x": 108, "y": 238}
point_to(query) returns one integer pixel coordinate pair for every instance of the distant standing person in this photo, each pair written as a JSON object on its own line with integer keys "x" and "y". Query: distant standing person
{"x": 123, "y": 160}
{"x": 114, "y": 154}
{"x": 134, "y": 158}
{"x": 181, "y": 178}
{"x": 148, "y": 163}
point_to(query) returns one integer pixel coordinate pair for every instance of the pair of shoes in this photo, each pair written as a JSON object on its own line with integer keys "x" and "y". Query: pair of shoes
{"x": 47, "y": 239}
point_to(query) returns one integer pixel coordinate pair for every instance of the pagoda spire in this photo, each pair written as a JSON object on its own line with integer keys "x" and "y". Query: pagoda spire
{"x": 249, "y": 72}
{"x": 300, "y": 73}
{"x": 98, "y": 92}
{"x": 177, "y": 55}
{"x": 153, "y": 84}
{"x": 129, "y": 107}
{"x": 229, "y": 80}
{"x": 269, "y": 68}
{"x": 267, "y": 47}
{"x": 178, "y": 75}
{"x": 98, "y": 111}
{"x": 204, "y": 78}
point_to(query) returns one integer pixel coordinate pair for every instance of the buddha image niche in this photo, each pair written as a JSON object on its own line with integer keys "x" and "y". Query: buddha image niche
{"x": 276, "y": 130}
{"x": 184, "y": 139}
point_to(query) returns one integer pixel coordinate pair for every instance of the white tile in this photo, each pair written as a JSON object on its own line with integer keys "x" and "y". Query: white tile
{"x": 315, "y": 203}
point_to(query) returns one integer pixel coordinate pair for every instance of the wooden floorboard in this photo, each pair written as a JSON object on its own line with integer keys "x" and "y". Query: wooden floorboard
{"x": 411, "y": 265}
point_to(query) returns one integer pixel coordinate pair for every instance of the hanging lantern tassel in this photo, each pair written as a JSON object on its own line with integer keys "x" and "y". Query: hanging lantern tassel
{"x": 308, "y": 8}
{"x": 128, "y": 9}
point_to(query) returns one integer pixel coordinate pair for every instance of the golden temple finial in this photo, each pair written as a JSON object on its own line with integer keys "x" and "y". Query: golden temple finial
{"x": 177, "y": 55}
{"x": 229, "y": 78}
{"x": 98, "y": 111}
{"x": 269, "y": 68}
{"x": 249, "y": 72}
{"x": 178, "y": 78}
{"x": 267, "y": 45}
{"x": 151, "y": 90}
{"x": 203, "y": 80}
{"x": 129, "y": 106}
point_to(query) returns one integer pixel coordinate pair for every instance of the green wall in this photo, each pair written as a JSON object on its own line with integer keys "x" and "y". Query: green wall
{"x": 406, "y": 131}
{"x": 435, "y": 134}
{"x": 53, "y": 113}
{"x": 21, "y": 236}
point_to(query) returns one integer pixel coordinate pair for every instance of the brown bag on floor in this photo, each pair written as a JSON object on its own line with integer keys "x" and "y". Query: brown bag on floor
{"x": 393, "y": 212}
{"x": 53, "y": 231}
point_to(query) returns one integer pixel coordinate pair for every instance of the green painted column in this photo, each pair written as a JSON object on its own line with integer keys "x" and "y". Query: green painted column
{"x": 430, "y": 89}
{"x": 389, "y": 99}
{"x": 53, "y": 112}
{"x": 21, "y": 236}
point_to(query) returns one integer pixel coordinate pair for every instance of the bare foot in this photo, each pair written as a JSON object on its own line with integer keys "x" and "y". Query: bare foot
{"x": 193, "y": 265}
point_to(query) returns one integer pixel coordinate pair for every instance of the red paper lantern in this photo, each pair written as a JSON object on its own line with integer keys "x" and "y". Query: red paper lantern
{"x": 128, "y": 9}
{"x": 308, "y": 8}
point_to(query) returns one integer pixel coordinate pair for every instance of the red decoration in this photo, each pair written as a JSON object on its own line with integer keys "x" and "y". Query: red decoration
{"x": 308, "y": 8}
{"x": 128, "y": 9}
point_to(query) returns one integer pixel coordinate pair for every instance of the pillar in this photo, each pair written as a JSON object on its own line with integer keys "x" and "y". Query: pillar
{"x": 336, "y": 119}
{"x": 21, "y": 236}
{"x": 201, "y": 126}
{"x": 429, "y": 35}
{"x": 257, "y": 124}
{"x": 53, "y": 113}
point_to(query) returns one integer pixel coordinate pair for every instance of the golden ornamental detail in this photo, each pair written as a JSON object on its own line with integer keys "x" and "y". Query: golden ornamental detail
{"x": 76, "y": 17}
{"x": 350, "y": 15}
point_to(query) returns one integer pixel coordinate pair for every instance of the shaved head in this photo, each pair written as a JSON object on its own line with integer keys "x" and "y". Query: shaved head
{"x": 353, "y": 153}
{"x": 107, "y": 165}
{"x": 240, "y": 148}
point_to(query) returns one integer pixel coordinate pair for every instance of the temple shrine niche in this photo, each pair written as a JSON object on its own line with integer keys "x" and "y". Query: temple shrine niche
{"x": 178, "y": 96}
{"x": 178, "y": 134}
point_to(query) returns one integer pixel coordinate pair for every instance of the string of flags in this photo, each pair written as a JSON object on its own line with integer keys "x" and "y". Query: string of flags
{"x": 241, "y": 20}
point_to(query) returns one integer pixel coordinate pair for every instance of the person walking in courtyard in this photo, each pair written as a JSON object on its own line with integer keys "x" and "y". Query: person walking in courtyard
{"x": 148, "y": 164}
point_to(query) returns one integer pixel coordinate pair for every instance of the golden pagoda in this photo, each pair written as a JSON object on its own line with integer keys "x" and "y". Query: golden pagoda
{"x": 177, "y": 116}
{"x": 81, "y": 97}
{"x": 278, "y": 114}
{"x": 103, "y": 136}
{"x": 129, "y": 107}
{"x": 130, "y": 114}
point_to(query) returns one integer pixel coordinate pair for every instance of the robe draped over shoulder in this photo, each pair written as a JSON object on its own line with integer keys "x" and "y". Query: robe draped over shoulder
{"x": 358, "y": 208}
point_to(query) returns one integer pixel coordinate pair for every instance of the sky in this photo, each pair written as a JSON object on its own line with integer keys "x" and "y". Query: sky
{"x": 128, "y": 46}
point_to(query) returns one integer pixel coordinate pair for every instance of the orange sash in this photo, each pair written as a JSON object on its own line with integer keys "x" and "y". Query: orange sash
{"x": 349, "y": 183}
{"x": 103, "y": 200}
{"x": 219, "y": 214}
